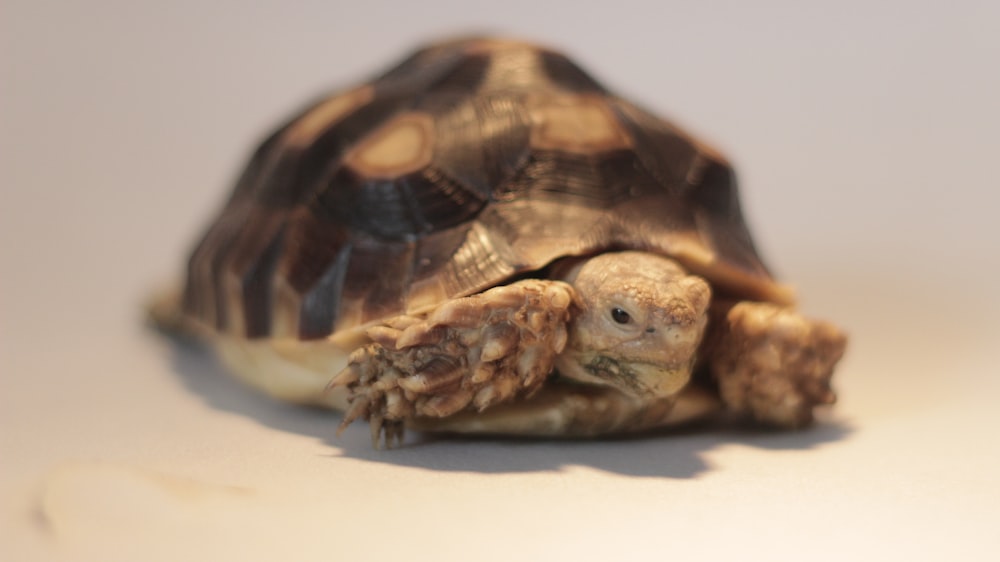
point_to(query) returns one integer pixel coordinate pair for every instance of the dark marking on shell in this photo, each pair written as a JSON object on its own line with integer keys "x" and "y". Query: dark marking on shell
{"x": 567, "y": 75}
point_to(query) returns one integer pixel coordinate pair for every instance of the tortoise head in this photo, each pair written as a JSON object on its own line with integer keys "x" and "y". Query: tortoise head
{"x": 640, "y": 326}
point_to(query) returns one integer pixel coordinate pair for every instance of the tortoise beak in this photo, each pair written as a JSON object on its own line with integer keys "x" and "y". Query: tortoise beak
{"x": 660, "y": 380}
{"x": 640, "y": 379}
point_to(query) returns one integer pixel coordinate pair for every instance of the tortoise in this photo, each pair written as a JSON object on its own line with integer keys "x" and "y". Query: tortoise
{"x": 484, "y": 239}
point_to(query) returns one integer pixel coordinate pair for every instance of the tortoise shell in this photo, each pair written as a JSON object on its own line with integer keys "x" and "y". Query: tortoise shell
{"x": 469, "y": 163}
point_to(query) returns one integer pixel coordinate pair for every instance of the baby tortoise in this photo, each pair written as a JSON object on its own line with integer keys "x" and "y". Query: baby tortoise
{"x": 486, "y": 240}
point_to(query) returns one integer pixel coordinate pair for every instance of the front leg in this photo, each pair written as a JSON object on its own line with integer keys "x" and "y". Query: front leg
{"x": 772, "y": 363}
{"x": 468, "y": 354}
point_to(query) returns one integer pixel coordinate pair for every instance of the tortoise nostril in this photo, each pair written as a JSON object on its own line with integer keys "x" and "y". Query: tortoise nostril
{"x": 650, "y": 330}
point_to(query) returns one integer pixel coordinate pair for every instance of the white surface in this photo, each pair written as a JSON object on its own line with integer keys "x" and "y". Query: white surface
{"x": 866, "y": 138}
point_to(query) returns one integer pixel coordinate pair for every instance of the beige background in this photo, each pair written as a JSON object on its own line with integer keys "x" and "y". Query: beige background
{"x": 866, "y": 135}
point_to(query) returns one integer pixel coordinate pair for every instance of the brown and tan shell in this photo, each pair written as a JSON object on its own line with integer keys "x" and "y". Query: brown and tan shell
{"x": 470, "y": 163}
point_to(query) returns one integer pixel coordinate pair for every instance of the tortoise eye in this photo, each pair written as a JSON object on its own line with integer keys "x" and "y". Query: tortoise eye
{"x": 619, "y": 315}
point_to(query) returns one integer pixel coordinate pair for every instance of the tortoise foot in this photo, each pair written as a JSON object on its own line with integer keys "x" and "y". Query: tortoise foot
{"x": 772, "y": 363}
{"x": 468, "y": 354}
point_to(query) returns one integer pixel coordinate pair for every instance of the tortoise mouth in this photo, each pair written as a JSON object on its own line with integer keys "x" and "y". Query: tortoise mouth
{"x": 641, "y": 379}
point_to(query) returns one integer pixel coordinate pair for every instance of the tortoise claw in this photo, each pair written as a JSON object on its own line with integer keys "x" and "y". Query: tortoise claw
{"x": 387, "y": 431}
{"x": 360, "y": 408}
{"x": 346, "y": 377}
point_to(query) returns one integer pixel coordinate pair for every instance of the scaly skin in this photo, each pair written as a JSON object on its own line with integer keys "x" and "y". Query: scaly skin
{"x": 624, "y": 331}
{"x": 771, "y": 363}
{"x": 469, "y": 353}
{"x": 640, "y": 326}
{"x": 638, "y": 319}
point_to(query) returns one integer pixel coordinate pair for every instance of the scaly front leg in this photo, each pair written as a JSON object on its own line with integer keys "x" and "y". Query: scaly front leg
{"x": 468, "y": 354}
{"x": 772, "y": 363}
